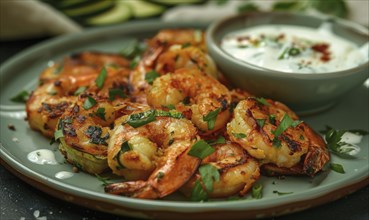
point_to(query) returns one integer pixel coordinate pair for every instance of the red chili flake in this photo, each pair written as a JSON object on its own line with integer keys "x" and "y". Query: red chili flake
{"x": 323, "y": 49}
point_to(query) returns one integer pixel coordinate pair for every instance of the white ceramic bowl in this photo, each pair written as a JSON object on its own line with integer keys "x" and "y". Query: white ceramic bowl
{"x": 304, "y": 93}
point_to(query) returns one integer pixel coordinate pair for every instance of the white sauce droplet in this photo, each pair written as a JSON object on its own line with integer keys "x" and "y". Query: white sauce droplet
{"x": 63, "y": 175}
{"x": 42, "y": 156}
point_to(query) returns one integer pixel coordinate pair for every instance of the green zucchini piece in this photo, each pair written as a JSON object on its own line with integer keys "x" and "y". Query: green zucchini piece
{"x": 90, "y": 9}
{"x": 177, "y": 2}
{"x": 119, "y": 13}
{"x": 94, "y": 164}
{"x": 144, "y": 9}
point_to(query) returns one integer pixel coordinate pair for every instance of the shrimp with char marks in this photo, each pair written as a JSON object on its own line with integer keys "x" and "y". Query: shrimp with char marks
{"x": 196, "y": 95}
{"x": 237, "y": 171}
{"x": 154, "y": 155}
{"x": 271, "y": 132}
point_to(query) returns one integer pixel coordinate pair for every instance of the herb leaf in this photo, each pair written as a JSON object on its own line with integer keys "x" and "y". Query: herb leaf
{"x": 281, "y": 193}
{"x": 260, "y": 122}
{"x": 80, "y": 90}
{"x": 200, "y": 149}
{"x": 263, "y": 101}
{"x": 58, "y": 134}
{"x": 100, "y": 113}
{"x": 239, "y": 135}
{"x": 198, "y": 193}
{"x": 337, "y": 168}
{"x": 257, "y": 191}
{"x": 114, "y": 92}
{"x": 20, "y": 97}
{"x": 220, "y": 140}
{"x": 248, "y": 7}
{"x": 104, "y": 180}
{"x": 151, "y": 76}
{"x": 286, "y": 122}
{"x": 89, "y": 103}
{"x": 142, "y": 118}
{"x": 211, "y": 117}
{"x": 209, "y": 175}
{"x": 101, "y": 78}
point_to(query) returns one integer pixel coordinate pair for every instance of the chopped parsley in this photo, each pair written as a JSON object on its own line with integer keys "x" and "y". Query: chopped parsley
{"x": 101, "y": 78}
{"x": 333, "y": 138}
{"x": 151, "y": 76}
{"x": 80, "y": 90}
{"x": 260, "y": 122}
{"x": 114, "y": 92}
{"x": 211, "y": 117}
{"x": 100, "y": 113}
{"x": 239, "y": 135}
{"x": 286, "y": 122}
{"x": 281, "y": 193}
{"x": 142, "y": 118}
{"x": 257, "y": 191}
{"x": 58, "y": 134}
{"x": 209, "y": 174}
{"x": 219, "y": 140}
{"x": 263, "y": 101}
{"x": 89, "y": 103}
{"x": 337, "y": 168}
{"x": 20, "y": 97}
{"x": 160, "y": 175}
{"x": 201, "y": 149}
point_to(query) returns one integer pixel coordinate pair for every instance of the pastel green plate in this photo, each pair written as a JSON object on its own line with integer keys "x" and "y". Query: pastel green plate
{"x": 22, "y": 71}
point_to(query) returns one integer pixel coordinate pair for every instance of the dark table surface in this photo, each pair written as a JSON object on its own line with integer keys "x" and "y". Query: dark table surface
{"x": 20, "y": 201}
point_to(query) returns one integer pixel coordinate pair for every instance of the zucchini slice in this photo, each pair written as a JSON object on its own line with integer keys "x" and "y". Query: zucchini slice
{"x": 144, "y": 9}
{"x": 119, "y": 13}
{"x": 90, "y": 9}
{"x": 177, "y": 2}
{"x": 89, "y": 163}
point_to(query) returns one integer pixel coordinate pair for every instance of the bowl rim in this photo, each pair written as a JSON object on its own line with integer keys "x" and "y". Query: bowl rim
{"x": 214, "y": 47}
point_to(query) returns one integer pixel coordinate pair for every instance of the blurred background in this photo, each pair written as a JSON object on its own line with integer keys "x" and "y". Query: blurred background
{"x": 25, "y": 19}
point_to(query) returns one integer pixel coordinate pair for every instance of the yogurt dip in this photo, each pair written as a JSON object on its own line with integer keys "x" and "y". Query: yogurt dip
{"x": 289, "y": 48}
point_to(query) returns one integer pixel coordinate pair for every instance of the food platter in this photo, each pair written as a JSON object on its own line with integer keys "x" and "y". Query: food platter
{"x": 21, "y": 72}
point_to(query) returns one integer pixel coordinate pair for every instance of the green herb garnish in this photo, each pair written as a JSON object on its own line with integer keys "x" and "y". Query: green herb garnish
{"x": 260, "y": 122}
{"x": 263, "y": 101}
{"x": 101, "y": 78}
{"x": 89, "y": 103}
{"x": 80, "y": 90}
{"x": 114, "y": 92}
{"x": 281, "y": 193}
{"x": 337, "y": 168}
{"x": 58, "y": 134}
{"x": 257, "y": 191}
{"x": 100, "y": 113}
{"x": 211, "y": 117}
{"x": 248, "y": 7}
{"x": 104, "y": 180}
{"x": 198, "y": 193}
{"x": 142, "y": 118}
{"x": 201, "y": 149}
{"x": 286, "y": 122}
{"x": 239, "y": 135}
{"x": 20, "y": 97}
{"x": 151, "y": 76}
{"x": 160, "y": 175}
{"x": 94, "y": 133}
{"x": 209, "y": 174}
{"x": 219, "y": 140}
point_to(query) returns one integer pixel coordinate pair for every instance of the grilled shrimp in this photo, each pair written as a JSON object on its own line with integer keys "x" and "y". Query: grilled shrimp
{"x": 166, "y": 51}
{"x": 238, "y": 171}
{"x": 271, "y": 132}
{"x": 185, "y": 57}
{"x": 48, "y": 102}
{"x": 194, "y": 94}
{"x": 154, "y": 155}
